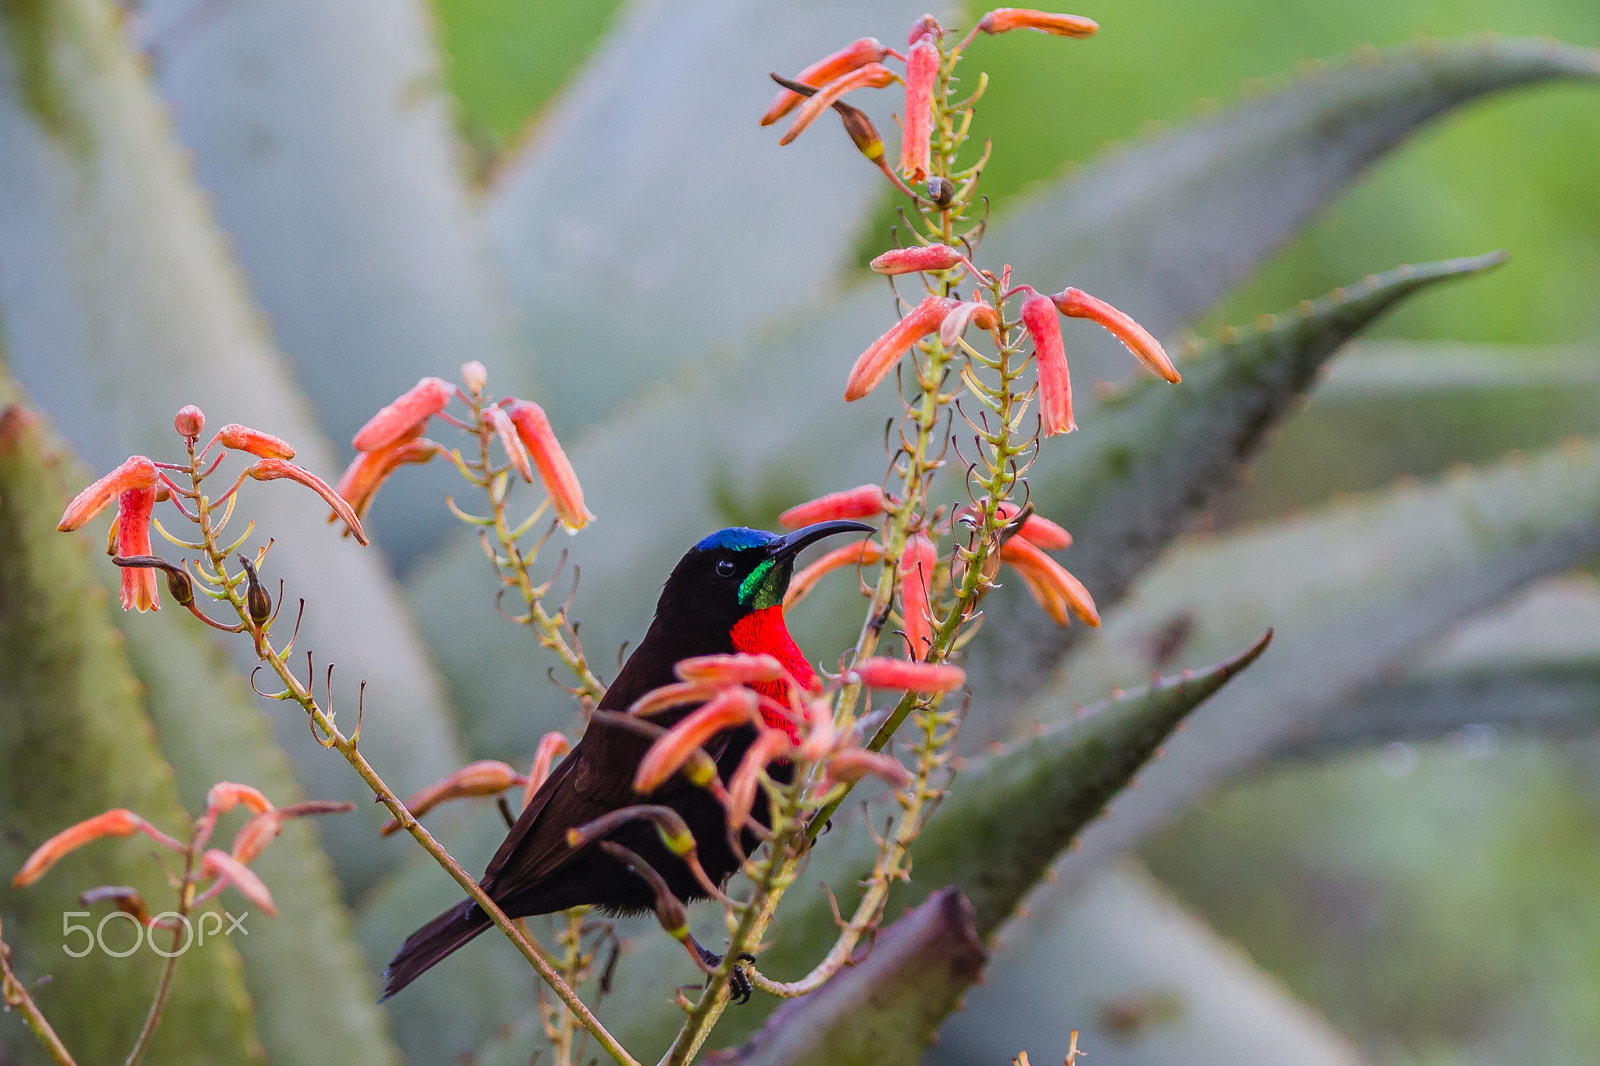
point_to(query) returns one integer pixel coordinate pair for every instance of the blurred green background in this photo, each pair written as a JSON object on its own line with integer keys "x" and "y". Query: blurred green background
{"x": 1437, "y": 902}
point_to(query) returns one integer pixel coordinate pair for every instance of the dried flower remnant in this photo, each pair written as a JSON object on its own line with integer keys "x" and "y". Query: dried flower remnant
{"x": 874, "y": 364}
{"x": 1075, "y": 303}
{"x": 829, "y": 68}
{"x": 555, "y": 469}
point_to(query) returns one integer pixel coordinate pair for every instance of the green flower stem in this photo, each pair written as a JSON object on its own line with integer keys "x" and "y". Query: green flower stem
{"x": 14, "y": 994}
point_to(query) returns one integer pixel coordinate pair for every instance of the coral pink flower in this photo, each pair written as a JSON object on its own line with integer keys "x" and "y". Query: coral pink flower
{"x": 406, "y": 417}
{"x": 861, "y": 553}
{"x": 852, "y": 764}
{"x": 475, "y": 376}
{"x": 863, "y": 501}
{"x": 926, "y": 678}
{"x": 1057, "y": 591}
{"x": 501, "y": 423}
{"x": 224, "y": 796}
{"x": 769, "y": 746}
{"x": 190, "y": 421}
{"x": 871, "y": 76}
{"x": 552, "y": 746}
{"x": 369, "y": 470}
{"x": 1036, "y": 528}
{"x": 1039, "y": 318}
{"x": 730, "y": 708}
{"x": 874, "y": 364}
{"x": 133, "y": 538}
{"x": 118, "y": 822}
{"x": 922, "y": 69}
{"x": 1005, "y": 19}
{"x": 918, "y": 258}
{"x": 259, "y": 444}
{"x": 555, "y": 470}
{"x": 828, "y": 68}
{"x": 915, "y": 578}
{"x": 273, "y": 469}
{"x": 230, "y": 871}
{"x": 964, "y": 314}
{"x": 486, "y": 777}
{"x": 136, "y": 472}
{"x": 1075, "y": 303}
{"x": 263, "y": 829}
{"x": 738, "y": 668}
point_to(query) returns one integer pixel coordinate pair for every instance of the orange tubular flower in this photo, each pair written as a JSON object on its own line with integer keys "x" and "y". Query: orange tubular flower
{"x": 136, "y": 472}
{"x": 769, "y": 745}
{"x": 273, "y": 469}
{"x": 828, "y": 68}
{"x": 230, "y": 871}
{"x": 263, "y": 829}
{"x": 369, "y": 470}
{"x": 669, "y": 696}
{"x": 1037, "y": 529}
{"x": 1039, "y": 318}
{"x": 224, "y": 796}
{"x": 964, "y": 314}
{"x": 852, "y": 764}
{"x": 871, "y": 76}
{"x": 924, "y": 678}
{"x": 916, "y": 575}
{"x": 1057, "y": 591}
{"x": 501, "y": 423}
{"x": 1075, "y": 303}
{"x": 487, "y": 777}
{"x": 1005, "y": 19}
{"x": 863, "y": 501}
{"x": 555, "y": 470}
{"x": 922, "y": 69}
{"x": 913, "y": 260}
{"x": 861, "y": 553}
{"x": 406, "y": 417}
{"x": 261, "y": 445}
{"x": 133, "y": 538}
{"x": 730, "y": 708}
{"x": 874, "y": 364}
{"x": 118, "y": 822}
{"x": 551, "y": 746}
{"x": 736, "y": 669}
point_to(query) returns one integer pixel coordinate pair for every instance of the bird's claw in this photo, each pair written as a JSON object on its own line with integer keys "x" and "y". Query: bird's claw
{"x": 740, "y": 987}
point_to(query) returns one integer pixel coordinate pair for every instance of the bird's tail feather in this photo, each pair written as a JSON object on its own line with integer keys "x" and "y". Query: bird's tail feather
{"x": 433, "y": 942}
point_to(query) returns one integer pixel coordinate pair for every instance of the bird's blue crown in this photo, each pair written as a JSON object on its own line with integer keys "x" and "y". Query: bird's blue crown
{"x": 734, "y": 538}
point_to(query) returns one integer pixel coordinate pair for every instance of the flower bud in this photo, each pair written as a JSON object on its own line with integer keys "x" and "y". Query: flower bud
{"x": 118, "y": 822}
{"x": 500, "y": 422}
{"x": 871, "y": 76}
{"x": 261, "y": 445}
{"x": 190, "y": 422}
{"x": 475, "y": 376}
{"x": 874, "y": 364}
{"x": 922, "y": 69}
{"x": 923, "y": 678}
{"x": 410, "y": 412}
{"x": 1005, "y": 19}
{"x": 915, "y": 259}
{"x": 1075, "y": 303}
{"x": 671, "y": 751}
{"x": 1039, "y": 318}
{"x": 551, "y": 746}
{"x": 735, "y": 669}
{"x": 863, "y": 501}
{"x": 257, "y": 601}
{"x": 915, "y": 580}
{"x": 861, "y": 553}
{"x": 555, "y": 470}
{"x": 852, "y": 764}
{"x": 828, "y": 68}
{"x": 224, "y": 796}
{"x": 863, "y": 134}
{"x": 273, "y": 469}
{"x": 486, "y": 777}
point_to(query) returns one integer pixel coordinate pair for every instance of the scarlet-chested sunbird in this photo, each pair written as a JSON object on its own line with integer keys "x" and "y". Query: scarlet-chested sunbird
{"x": 725, "y": 595}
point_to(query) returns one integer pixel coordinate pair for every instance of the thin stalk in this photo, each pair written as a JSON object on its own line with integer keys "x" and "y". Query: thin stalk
{"x": 185, "y": 901}
{"x": 14, "y": 994}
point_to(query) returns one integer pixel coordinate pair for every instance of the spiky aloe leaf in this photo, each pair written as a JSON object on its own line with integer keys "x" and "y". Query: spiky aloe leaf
{"x": 74, "y": 742}
{"x": 1355, "y": 592}
{"x": 329, "y": 153}
{"x": 314, "y": 993}
{"x": 1005, "y": 820}
{"x": 1144, "y": 462}
{"x": 886, "y": 1009}
{"x": 118, "y": 302}
{"x": 1142, "y": 980}
{"x": 650, "y": 222}
{"x": 1532, "y": 667}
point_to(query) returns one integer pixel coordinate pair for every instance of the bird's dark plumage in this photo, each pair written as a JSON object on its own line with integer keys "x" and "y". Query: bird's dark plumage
{"x": 725, "y": 595}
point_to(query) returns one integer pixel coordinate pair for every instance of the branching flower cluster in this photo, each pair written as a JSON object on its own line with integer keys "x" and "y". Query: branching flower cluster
{"x": 971, "y": 343}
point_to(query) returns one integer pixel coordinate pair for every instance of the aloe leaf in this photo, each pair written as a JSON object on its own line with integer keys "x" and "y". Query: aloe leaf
{"x": 118, "y": 302}
{"x": 1003, "y": 823}
{"x": 74, "y": 742}
{"x": 886, "y": 1009}
{"x": 327, "y": 147}
{"x": 1387, "y": 409}
{"x": 1532, "y": 667}
{"x": 650, "y": 221}
{"x": 1145, "y": 461}
{"x": 1354, "y": 592}
{"x": 1141, "y": 979}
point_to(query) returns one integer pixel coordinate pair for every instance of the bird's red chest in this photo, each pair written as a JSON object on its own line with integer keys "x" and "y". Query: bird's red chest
{"x": 763, "y": 633}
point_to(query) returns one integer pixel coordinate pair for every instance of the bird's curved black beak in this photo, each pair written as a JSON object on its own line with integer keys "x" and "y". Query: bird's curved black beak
{"x": 791, "y": 544}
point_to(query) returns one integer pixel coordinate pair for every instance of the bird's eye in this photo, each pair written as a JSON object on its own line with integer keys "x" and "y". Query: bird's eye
{"x": 725, "y": 567}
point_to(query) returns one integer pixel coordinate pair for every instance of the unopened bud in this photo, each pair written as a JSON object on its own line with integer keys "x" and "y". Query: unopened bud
{"x": 256, "y": 599}
{"x": 181, "y": 588}
{"x": 190, "y": 421}
{"x": 863, "y": 134}
{"x": 918, "y": 258}
{"x": 475, "y": 376}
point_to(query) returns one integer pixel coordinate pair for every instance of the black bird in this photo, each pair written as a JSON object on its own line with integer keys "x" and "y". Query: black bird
{"x": 725, "y": 595}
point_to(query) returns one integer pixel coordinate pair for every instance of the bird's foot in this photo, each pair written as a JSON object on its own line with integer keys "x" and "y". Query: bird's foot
{"x": 739, "y": 986}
